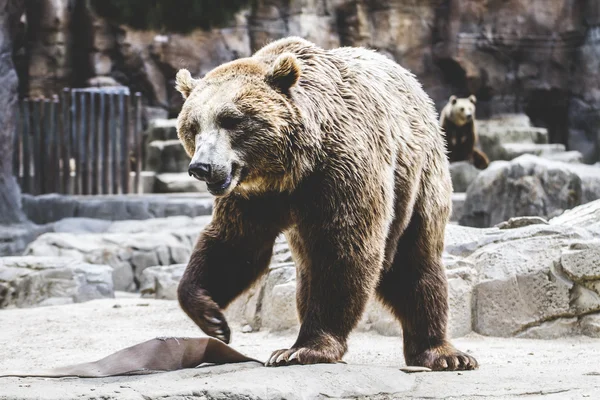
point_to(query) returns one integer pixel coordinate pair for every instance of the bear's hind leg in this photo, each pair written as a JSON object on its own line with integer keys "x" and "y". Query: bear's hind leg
{"x": 415, "y": 288}
{"x": 334, "y": 289}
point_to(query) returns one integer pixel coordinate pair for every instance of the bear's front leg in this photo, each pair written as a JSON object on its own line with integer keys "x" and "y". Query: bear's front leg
{"x": 344, "y": 266}
{"x": 232, "y": 252}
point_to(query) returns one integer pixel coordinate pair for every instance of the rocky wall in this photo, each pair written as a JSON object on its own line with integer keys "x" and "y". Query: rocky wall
{"x": 535, "y": 56}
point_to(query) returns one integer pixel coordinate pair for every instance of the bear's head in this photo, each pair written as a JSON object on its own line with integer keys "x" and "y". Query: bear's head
{"x": 462, "y": 111}
{"x": 237, "y": 124}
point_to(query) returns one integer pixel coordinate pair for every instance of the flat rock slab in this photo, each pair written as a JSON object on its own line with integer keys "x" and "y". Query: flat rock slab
{"x": 38, "y": 338}
{"x": 232, "y": 381}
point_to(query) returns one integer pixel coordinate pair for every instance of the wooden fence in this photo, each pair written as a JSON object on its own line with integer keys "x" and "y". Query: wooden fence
{"x": 87, "y": 141}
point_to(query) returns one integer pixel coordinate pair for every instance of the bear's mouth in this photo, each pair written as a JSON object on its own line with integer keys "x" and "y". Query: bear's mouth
{"x": 221, "y": 187}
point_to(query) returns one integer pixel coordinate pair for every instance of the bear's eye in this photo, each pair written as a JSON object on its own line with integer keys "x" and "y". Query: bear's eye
{"x": 229, "y": 121}
{"x": 462, "y": 109}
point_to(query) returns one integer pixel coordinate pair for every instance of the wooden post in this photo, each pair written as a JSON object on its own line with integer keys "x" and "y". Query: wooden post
{"x": 26, "y": 186}
{"x": 65, "y": 132}
{"x": 137, "y": 134}
{"x": 17, "y": 139}
{"x": 37, "y": 146}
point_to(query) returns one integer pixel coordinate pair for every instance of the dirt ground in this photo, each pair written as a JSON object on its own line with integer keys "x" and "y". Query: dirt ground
{"x": 54, "y": 336}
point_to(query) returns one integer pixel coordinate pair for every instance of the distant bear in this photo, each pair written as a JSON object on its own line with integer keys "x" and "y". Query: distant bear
{"x": 457, "y": 119}
{"x": 341, "y": 151}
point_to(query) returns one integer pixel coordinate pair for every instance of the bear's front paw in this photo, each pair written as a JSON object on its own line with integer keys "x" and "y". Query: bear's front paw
{"x": 213, "y": 323}
{"x": 443, "y": 358}
{"x": 302, "y": 356}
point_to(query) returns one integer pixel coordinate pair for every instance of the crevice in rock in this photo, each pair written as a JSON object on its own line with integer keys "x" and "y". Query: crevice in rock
{"x": 555, "y": 317}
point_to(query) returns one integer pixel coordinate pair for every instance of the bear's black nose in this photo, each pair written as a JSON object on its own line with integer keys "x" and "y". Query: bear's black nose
{"x": 200, "y": 171}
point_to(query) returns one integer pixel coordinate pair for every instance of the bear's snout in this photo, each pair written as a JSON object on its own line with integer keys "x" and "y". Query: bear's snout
{"x": 200, "y": 171}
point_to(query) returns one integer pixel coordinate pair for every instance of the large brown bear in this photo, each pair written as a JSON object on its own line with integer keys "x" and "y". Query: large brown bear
{"x": 341, "y": 151}
{"x": 457, "y": 120}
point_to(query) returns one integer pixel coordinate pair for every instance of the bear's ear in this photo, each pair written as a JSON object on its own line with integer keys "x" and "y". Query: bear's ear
{"x": 184, "y": 82}
{"x": 473, "y": 99}
{"x": 452, "y": 99}
{"x": 285, "y": 73}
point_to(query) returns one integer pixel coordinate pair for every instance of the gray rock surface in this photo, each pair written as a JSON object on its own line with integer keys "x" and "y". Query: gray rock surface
{"x": 510, "y": 151}
{"x": 166, "y": 156}
{"x": 178, "y": 183}
{"x": 573, "y": 157}
{"x": 462, "y": 173}
{"x": 161, "y": 129}
{"x": 532, "y": 280}
{"x": 128, "y": 246}
{"x": 496, "y": 133}
{"x": 510, "y": 368}
{"x": 54, "y": 207}
{"x": 40, "y": 281}
{"x": 458, "y": 204}
{"x": 528, "y": 186}
{"x": 585, "y": 216}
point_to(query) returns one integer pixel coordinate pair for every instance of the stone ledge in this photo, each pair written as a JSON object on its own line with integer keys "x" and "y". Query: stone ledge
{"x": 53, "y": 207}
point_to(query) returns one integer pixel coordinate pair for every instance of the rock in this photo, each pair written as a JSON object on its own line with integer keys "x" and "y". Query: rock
{"x": 526, "y": 186}
{"x": 379, "y": 319}
{"x": 458, "y": 204}
{"x": 523, "y": 284}
{"x": 509, "y": 130}
{"x": 590, "y": 179}
{"x": 151, "y": 114}
{"x": 81, "y": 225}
{"x": 130, "y": 253}
{"x": 54, "y": 207}
{"x": 462, "y": 173}
{"x": 161, "y": 129}
{"x": 590, "y": 325}
{"x": 581, "y": 263}
{"x": 510, "y": 151}
{"x": 103, "y": 81}
{"x": 553, "y": 329}
{"x": 460, "y": 298}
{"x": 178, "y": 183}
{"x": 15, "y": 238}
{"x": 519, "y": 222}
{"x": 584, "y": 216}
{"x": 35, "y": 281}
{"x": 278, "y": 306}
{"x": 166, "y": 156}
{"x": 161, "y": 282}
{"x": 102, "y": 63}
{"x": 147, "y": 179}
{"x": 573, "y": 157}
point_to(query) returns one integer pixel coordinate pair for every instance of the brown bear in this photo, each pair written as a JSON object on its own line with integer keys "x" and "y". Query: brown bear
{"x": 457, "y": 119}
{"x": 341, "y": 151}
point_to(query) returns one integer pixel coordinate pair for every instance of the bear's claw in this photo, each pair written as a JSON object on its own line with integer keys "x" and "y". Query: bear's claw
{"x": 302, "y": 355}
{"x": 216, "y": 327}
{"x": 444, "y": 358}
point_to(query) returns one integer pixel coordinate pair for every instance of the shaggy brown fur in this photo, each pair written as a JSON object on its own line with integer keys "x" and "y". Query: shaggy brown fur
{"x": 341, "y": 151}
{"x": 460, "y": 133}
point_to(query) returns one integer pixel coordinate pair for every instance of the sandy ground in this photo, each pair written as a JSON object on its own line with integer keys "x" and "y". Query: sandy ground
{"x": 61, "y": 335}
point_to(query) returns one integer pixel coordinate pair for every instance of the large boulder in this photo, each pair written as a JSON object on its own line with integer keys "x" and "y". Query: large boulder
{"x": 585, "y": 216}
{"x": 497, "y": 133}
{"x": 528, "y": 186}
{"x": 38, "y": 281}
{"x": 128, "y": 246}
{"x": 533, "y": 278}
{"x": 462, "y": 173}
